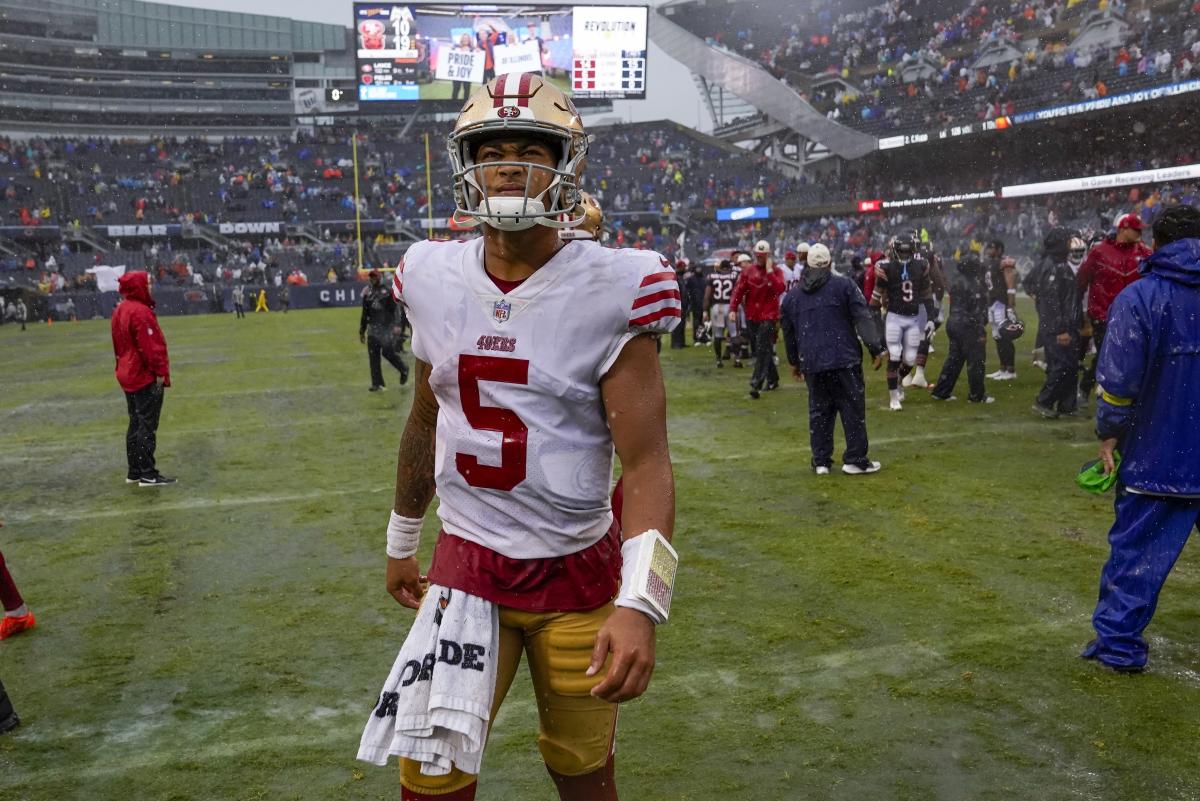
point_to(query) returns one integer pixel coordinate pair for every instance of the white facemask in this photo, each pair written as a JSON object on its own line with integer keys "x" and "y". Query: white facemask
{"x": 511, "y": 213}
{"x": 1076, "y": 253}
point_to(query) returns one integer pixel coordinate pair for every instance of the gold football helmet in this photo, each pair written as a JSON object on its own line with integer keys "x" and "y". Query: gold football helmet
{"x": 519, "y": 103}
{"x": 592, "y": 226}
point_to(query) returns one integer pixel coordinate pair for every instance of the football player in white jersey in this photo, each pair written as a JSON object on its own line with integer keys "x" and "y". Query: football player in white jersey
{"x": 535, "y": 359}
{"x": 792, "y": 269}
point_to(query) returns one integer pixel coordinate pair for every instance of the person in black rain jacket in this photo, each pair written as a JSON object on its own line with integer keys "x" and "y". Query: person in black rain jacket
{"x": 376, "y": 328}
{"x": 1059, "y": 316}
{"x": 969, "y": 301}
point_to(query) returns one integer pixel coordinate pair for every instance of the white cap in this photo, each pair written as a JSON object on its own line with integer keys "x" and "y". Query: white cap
{"x": 818, "y": 256}
{"x": 743, "y": 257}
{"x": 762, "y": 246}
{"x": 802, "y": 247}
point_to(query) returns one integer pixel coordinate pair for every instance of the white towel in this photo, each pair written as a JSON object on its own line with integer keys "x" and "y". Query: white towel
{"x": 436, "y": 702}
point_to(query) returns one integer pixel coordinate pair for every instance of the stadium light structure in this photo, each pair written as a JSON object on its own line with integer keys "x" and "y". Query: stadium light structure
{"x": 758, "y": 87}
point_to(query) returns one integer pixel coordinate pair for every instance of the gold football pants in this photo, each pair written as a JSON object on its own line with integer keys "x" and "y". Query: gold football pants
{"x": 577, "y": 729}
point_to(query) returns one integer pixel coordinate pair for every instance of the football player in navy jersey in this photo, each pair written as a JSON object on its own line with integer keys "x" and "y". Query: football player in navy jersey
{"x": 904, "y": 286}
{"x": 716, "y": 299}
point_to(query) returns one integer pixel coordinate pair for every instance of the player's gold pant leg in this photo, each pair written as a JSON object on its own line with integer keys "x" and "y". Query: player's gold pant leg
{"x": 577, "y": 729}
{"x": 507, "y": 662}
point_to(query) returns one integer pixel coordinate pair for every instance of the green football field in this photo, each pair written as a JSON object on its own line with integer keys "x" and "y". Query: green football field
{"x": 907, "y": 635}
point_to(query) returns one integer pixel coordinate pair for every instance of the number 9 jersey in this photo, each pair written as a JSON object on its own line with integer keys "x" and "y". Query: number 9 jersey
{"x": 524, "y": 457}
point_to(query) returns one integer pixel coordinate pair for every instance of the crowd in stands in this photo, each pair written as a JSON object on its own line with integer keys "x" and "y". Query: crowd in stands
{"x": 652, "y": 168}
{"x": 110, "y": 181}
{"x": 270, "y": 261}
{"x": 654, "y": 181}
{"x": 910, "y": 65}
{"x": 1021, "y": 223}
{"x": 1119, "y": 142}
{"x": 646, "y": 167}
{"x": 1140, "y": 138}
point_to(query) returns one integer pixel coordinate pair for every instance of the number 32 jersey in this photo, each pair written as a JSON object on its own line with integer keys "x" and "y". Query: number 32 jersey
{"x": 524, "y": 455}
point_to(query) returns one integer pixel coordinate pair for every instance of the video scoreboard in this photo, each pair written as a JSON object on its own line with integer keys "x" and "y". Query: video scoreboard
{"x": 442, "y": 52}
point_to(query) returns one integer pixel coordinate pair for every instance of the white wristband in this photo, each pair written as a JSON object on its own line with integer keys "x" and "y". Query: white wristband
{"x": 648, "y": 566}
{"x": 403, "y": 536}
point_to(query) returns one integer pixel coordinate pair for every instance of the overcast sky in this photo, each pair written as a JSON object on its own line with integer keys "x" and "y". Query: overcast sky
{"x": 671, "y": 92}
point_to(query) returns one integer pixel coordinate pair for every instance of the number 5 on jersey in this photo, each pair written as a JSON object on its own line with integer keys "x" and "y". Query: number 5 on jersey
{"x": 512, "y": 429}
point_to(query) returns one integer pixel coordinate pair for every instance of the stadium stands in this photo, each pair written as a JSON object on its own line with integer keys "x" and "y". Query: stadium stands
{"x": 96, "y": 181}
{"x": 898, "y": 66}
{"x": 1122, "y": 141}
{"x": 910, "y": 66}
{"x": 643, "y": 174}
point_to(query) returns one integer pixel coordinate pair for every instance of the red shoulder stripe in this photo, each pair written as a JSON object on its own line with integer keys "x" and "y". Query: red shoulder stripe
{"x": 656, "y": 277}
{"x": 666, "y": 294}
{"x": 646, "y": 319}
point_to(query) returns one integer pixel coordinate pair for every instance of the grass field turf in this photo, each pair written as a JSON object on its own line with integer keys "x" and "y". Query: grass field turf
{"x": 907, "y": 635}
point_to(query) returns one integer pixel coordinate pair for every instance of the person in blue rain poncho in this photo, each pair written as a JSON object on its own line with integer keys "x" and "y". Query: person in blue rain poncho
{"x": 1149, "y": 376}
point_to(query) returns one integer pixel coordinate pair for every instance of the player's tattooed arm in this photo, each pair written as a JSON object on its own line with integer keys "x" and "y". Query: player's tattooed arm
{"x": 414, "y": 462}
{"x": 414, "y": 484}
{"x": 636, "y": 406}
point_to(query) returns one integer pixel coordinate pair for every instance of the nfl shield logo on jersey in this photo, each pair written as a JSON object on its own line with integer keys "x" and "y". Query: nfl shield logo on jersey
{"x": 501, "y": 310}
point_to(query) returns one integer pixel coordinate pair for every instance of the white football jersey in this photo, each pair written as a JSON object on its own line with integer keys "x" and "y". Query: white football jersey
{"x": 524, "y": 456}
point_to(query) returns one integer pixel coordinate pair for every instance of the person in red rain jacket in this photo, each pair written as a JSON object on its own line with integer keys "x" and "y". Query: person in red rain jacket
{"x": 759, "y": 287}
{"x": 143, "y": 371}
{"x": 1111, "y": 266}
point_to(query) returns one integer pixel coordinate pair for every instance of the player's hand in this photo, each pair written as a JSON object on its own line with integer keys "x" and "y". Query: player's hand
{"x": 629, "y": 636}
{"x": 1063, "y": 339}
{"x": 405, "y": 582}
{"x": 1107, "y": 447}
{"x": 160, "y": 382}
{"x": 1008, "y": 263}
{"x": 796, "y": 374}
{"x": 930, "y": 327}
{"x": 362, "y": 338}
{"x": 877, "y": 361}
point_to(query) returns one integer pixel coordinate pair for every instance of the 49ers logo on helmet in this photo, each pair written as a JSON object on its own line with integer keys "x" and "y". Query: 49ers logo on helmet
{"x": 508, "y": 112}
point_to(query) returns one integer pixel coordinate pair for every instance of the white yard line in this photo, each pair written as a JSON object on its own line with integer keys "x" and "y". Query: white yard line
{"x": 177, "y": 396}
{"x": 63, "y": 515}
{"x": 44, "y": 451}
{"x": 802, "y": 446}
